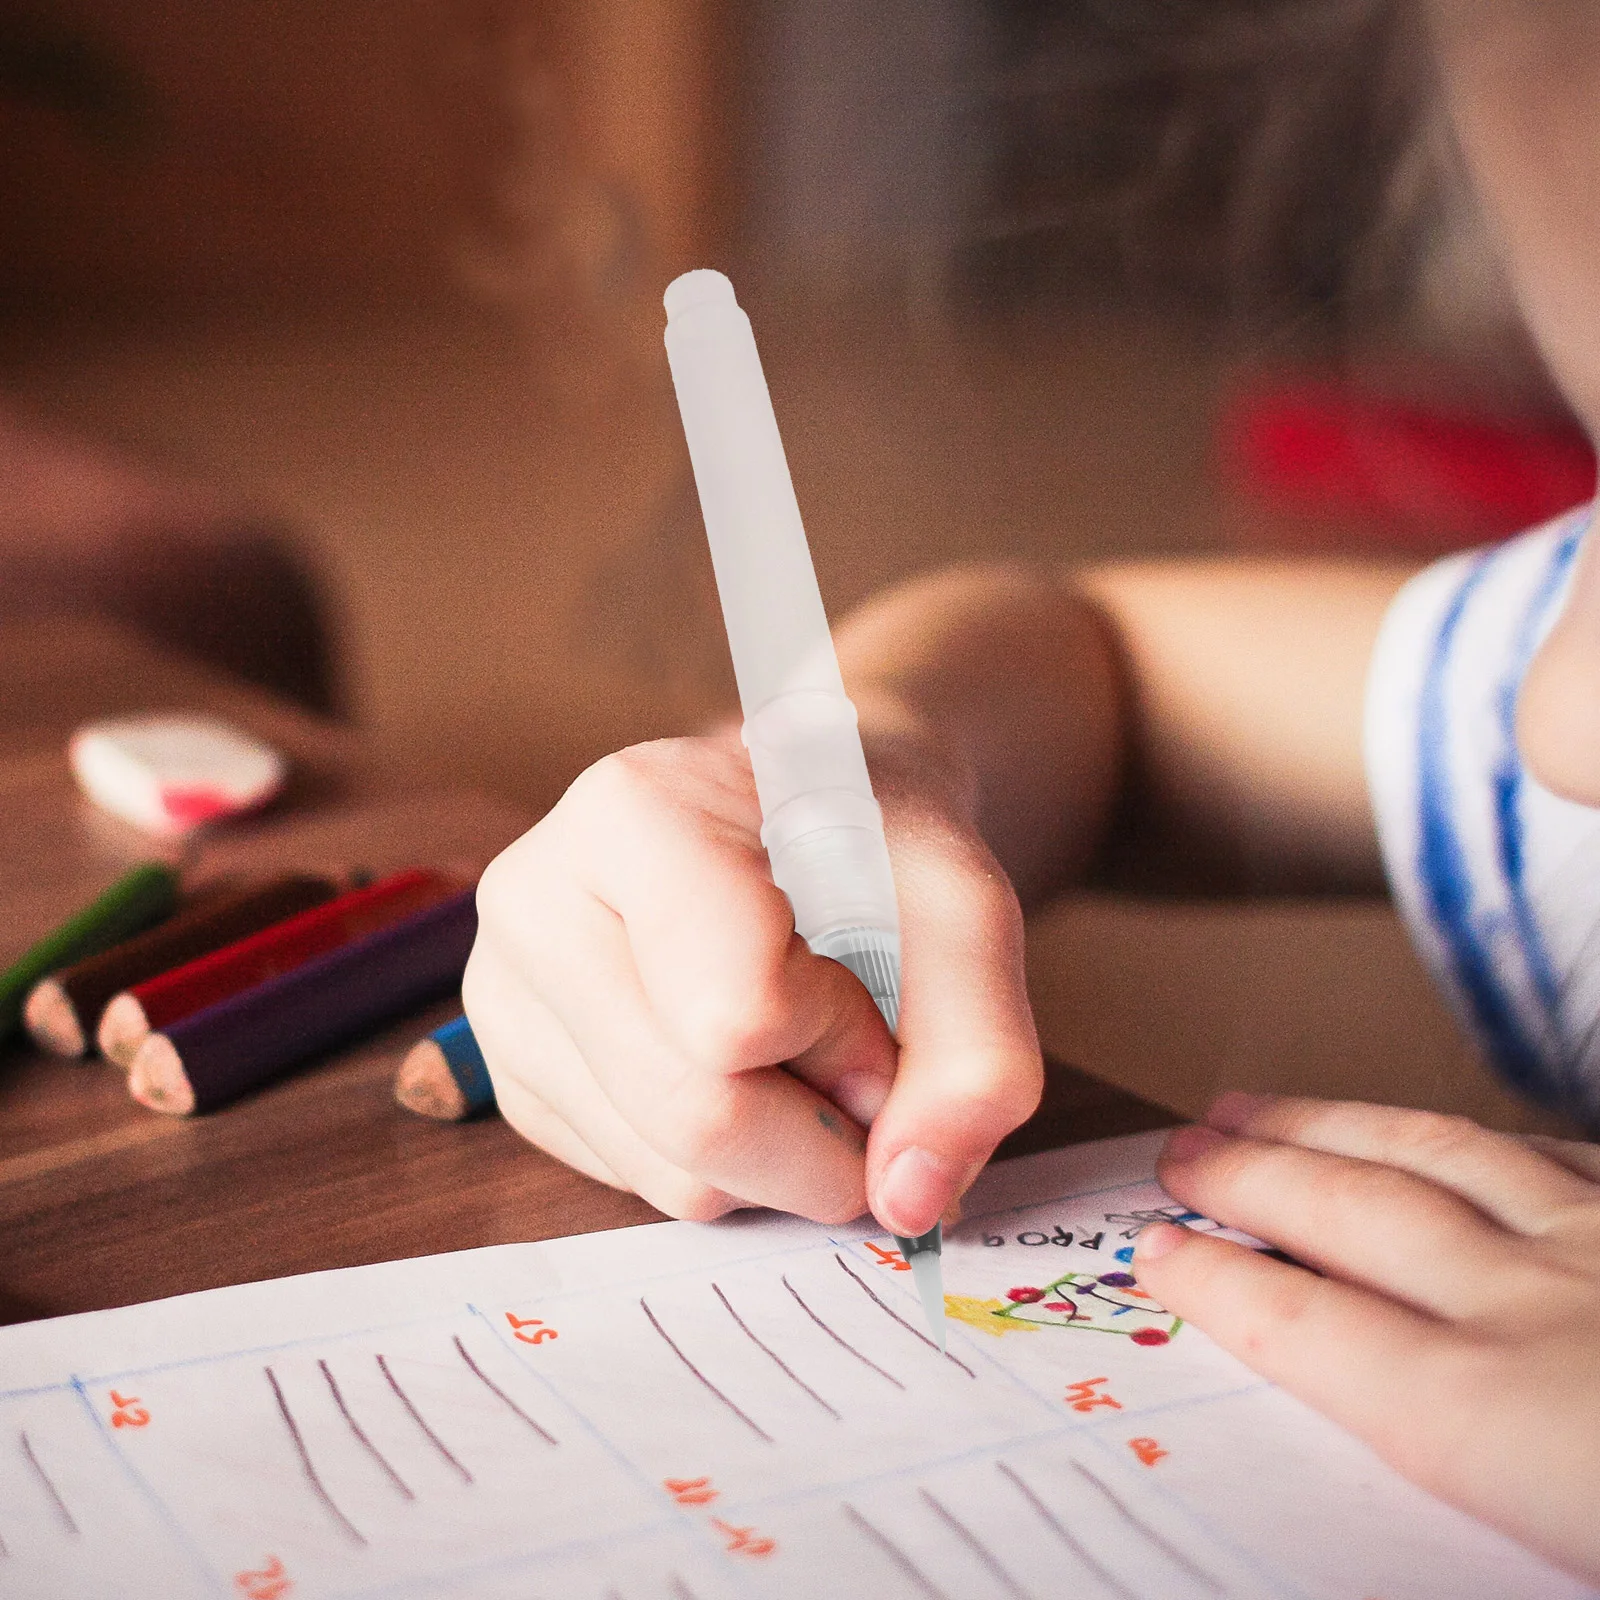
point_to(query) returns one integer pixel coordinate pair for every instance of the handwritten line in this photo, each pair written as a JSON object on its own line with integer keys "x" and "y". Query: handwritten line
{"x": 361, "y": 1434}
{"x": 838, "y": 1339}
{"x": 895, "y": 1554}
{"x": 1059, "y": 1528}
{"x": 766, "y": 1349}
{"x": 416, "y": 1416}
{"x": 317, "y": 1486}
{"x": 971, "y": 1541}
{"x": 680, "y": 1590}
{"x": 49, "y": 1488}
{"x": 500, "y": 1394}
{"x": 749, "y": 1422}
{"x": 888, "y": 1310}
{"x": 1150, "y": 1533}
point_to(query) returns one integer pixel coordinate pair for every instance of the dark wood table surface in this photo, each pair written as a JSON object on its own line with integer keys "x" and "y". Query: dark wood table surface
{"x": 103, "y": 1203}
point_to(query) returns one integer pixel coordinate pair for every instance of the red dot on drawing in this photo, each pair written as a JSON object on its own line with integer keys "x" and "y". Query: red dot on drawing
{"x": 1150, "y": 1336}
{"x": 1059, "y": 1305}
{"x": 1025, "y": 1297}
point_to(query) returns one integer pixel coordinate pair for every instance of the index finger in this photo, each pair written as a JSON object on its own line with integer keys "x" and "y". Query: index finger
{"x": 1371, "y": 1365}
{"x": 1515, "y": 1185}
{"x": 970, "y": 1069}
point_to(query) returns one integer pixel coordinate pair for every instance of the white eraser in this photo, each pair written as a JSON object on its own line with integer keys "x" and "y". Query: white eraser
{"x": 171, "y": 773}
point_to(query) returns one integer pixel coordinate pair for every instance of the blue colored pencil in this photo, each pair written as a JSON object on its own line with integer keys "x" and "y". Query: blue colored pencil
{"x": 444, "y": 1076}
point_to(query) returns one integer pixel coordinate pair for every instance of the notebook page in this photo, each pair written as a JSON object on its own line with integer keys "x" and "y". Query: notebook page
{"x": 694, "y": 1412}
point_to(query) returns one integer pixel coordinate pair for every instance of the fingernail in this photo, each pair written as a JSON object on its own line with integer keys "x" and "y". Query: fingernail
{"x": 860, "y": 1095}
{"x": 1157, "y": 1241}
{"x": 1231, "y": 1111}
{"x": 915, "y": 1188}
{"x": 1188, "y": 1143}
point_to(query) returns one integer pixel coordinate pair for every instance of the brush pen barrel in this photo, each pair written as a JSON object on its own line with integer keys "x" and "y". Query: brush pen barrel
{"x": 820, "y": 824}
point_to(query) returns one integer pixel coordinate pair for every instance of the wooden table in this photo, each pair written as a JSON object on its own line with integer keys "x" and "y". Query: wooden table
{"x": 103, "y": 1203}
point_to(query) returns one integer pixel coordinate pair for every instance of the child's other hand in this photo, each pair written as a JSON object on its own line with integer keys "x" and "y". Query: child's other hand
{"x": 649, "y": 1015}
{"x": 1457, "y": 1324}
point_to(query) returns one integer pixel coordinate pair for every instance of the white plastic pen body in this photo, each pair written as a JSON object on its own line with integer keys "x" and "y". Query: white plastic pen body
{"x": 821, "y": 826}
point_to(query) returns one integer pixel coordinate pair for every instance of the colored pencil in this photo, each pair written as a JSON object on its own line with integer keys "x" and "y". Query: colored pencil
{"x": 63, "y": 1009}
{"x": 133, "y": 902}
{"x": 444, "y": 1076}
{"x": 215, "y": 1055}
{"x": 159, "y": 1001}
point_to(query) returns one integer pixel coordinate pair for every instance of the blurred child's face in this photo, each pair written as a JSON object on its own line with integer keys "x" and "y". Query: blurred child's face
{"x": 1523, "y": 77}
{"x": 1523, "y": 80}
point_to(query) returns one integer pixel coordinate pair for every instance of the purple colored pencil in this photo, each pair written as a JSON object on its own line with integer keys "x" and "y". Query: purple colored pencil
{"x": 219, "y": 1053}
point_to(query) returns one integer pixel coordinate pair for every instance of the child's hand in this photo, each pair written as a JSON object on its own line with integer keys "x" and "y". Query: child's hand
{"x": 1457, "y": 1327}
{"x": 649, "y": 1015}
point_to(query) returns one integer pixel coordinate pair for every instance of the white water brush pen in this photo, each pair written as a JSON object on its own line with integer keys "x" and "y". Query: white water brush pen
{"x": 821, "y": 826}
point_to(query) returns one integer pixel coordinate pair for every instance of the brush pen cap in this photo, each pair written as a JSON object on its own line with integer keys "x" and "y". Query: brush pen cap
{"x": 777, "y": 628}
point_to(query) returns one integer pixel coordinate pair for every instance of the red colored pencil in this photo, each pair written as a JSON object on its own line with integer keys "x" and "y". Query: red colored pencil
{"x": 171, "y": 996}
{"x": 228, "y": 1049}
{"x": 64, "y": 1009}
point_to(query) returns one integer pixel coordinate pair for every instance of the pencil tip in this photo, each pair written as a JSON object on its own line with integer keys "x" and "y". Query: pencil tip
{"x": 425, "y": 1084}
{"x": 52, "y": 1020}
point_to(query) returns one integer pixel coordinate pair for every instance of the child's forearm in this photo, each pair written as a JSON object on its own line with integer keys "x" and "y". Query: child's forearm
{"x": 1182, "y": 724}
{"x": 996, "y": 691}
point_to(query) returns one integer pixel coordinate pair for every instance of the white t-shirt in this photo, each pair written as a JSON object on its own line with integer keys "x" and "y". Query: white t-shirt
{"x": 1497, "y": 878}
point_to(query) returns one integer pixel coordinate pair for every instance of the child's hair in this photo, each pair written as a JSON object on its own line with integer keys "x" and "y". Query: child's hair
{"x": 1282, "y": 156}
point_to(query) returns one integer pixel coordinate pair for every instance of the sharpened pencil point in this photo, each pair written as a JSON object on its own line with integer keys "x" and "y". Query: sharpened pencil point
{"x": 50, "y": 1017}
{"x": 425, "y": 1084}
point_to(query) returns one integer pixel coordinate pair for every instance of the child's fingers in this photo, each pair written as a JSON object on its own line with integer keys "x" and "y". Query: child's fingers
{"x": 539, "y": 1125}
{"x": 1573, "y": 1154}
{"x": 757, "y": 1133}
{"x": 853, "y": 1062}
{"x": 736, "y": 993}
{"x": 970, "y": 1069}
{"x": 1367, "y": 1363}
{"x": 1500, "y": 1175}
{"x": 1364, "y": 1222}
{"x": 546, "y": 1092}
{"x": 712, "y": 937}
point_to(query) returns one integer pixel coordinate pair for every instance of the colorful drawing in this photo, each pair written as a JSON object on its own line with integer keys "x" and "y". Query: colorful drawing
{"x": 1107, "y": 1302}
{"x": 984, "y": 1315}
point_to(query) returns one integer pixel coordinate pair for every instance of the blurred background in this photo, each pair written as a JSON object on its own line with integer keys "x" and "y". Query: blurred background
{"x": 330, "y": 337}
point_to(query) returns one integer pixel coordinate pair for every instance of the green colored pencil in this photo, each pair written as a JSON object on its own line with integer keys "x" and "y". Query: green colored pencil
{"x": 135, "y": 901}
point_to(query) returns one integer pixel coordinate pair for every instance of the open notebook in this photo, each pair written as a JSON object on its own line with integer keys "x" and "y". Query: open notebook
{"x": 689, "y": 1412}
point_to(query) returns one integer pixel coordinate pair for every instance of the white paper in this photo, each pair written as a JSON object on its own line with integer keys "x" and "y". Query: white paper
{"x": 693, "y": 1412}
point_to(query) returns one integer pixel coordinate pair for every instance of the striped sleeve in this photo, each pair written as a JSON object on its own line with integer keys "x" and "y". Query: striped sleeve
{"x": 1498, "y": 879}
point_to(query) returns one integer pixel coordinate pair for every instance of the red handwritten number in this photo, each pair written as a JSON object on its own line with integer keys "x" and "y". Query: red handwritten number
{"x": 128, "y": 1413}
{"x": 1082, "y": 1396}
{"x": 892, "y": 1259}
{"x": 744, "y": 1541}
{"x": 530, "y": 1330}
{"x": 690, "y": 1491}
{"x": 267, "y": 1584}
{"x": 1149, "y": 1451}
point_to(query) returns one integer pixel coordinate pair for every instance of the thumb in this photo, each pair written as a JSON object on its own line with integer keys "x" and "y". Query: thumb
{"x": 969, "y": 1069}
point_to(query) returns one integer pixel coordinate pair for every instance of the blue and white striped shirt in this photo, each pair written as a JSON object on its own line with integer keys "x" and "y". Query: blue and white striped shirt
{"x": 1497, "y": 878}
